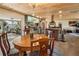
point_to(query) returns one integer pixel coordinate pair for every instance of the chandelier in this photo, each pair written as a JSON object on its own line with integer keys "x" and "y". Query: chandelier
{"x": 34, "y": 6}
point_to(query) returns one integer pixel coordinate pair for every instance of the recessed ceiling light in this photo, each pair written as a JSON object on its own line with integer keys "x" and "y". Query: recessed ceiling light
{"x": 40, "y": 17}
{"x": 60, "y": 15}
{"x": 33, "y": 14}
{"x": 60, "y": 11}
{"x": 37, "y": 16}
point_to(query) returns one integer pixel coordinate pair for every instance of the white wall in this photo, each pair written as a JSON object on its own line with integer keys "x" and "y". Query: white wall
{"x": 8, "y": 15}
{"x": 65, "y": 22}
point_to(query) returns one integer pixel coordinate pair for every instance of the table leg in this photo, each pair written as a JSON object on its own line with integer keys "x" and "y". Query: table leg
{"x": 21, "y": 53}
{"x": 25, "y": 54}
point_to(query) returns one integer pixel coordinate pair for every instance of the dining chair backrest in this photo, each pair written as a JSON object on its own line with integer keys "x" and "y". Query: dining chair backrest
{"x": 34, "y": 46}
{"x": 43, "y": 47}
{"x": 46, "y": 32}
{"x": 54, "y": 34}
{"x": 1, "y": 54}
{"x": 51, "y": 46}
{"x": 5, "y": 42}
{"x": 2, "y": 47}
{"x": 53, "y": 37}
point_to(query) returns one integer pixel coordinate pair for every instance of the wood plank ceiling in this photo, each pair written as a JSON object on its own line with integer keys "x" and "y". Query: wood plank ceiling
{"x": 44, "y": 9}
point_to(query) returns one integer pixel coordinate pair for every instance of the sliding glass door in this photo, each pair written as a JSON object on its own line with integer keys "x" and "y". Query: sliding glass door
{"x": 10, "y": 26}
{"x": 1, "y": 26}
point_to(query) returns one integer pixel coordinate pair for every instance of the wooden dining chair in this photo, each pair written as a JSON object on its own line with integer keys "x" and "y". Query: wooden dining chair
{"x": 43, "y": 47}
{"x": 34, "y": 48}
{"x": 54, "y": 34}
{"x": 40, "y": 47}
{"x": 5, "y": 45}
{"x": 5, "y": 42}
{"x": 2, "y": 47}
{"x": 52, "y": 39}
{"x": 51, "y": 46}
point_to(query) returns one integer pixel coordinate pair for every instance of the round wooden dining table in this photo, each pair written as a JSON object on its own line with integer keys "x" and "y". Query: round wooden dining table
{"x": 24, "y": 43}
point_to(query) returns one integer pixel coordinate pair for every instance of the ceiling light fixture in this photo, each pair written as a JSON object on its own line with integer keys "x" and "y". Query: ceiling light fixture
{"x": 37, "y": 16}
{"x": 33, "y": 7}
{"x": 60, "y": 11}
{"x": 60, "y": 15}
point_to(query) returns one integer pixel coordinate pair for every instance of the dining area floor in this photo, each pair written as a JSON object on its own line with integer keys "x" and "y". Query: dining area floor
{"x": 68, "y": 48}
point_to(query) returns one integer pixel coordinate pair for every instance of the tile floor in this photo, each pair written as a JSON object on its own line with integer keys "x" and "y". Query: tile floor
{"x": 68, "y": 48}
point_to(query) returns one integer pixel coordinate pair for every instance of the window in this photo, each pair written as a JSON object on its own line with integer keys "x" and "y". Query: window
{"x": 31, "y": 21}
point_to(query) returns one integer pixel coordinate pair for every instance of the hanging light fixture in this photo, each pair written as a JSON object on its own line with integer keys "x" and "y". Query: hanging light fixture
{"x": 34, "y": 5}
